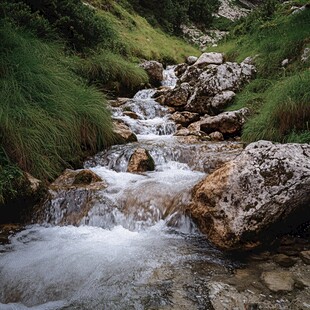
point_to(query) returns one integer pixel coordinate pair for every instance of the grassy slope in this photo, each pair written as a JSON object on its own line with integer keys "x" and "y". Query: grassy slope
{"x": 49, "y": 117}
{"x": 279, "y": 97}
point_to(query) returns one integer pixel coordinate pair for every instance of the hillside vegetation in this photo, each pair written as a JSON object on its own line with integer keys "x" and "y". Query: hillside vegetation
{"x": 59, "y": 61}
{"x": 279, "y": 97}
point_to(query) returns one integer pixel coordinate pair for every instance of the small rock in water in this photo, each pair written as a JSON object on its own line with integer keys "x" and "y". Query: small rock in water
{"x": 140, "y": 161}
{"x": 123, "y": 133}
{"x": 284, "y": 260}
{"x": 278, "y": 281}
{"x": 305, "y": 256}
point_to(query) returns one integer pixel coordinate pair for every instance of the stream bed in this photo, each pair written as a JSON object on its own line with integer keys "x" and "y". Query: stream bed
{"x": 135, "y": 248}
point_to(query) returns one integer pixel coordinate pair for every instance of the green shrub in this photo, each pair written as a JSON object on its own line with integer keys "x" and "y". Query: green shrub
{"x": 48, "y": 117}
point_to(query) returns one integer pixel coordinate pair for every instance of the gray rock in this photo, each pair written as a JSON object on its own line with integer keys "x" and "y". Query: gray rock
{"x": 259, "y": 192}
{"x": 191, "y": 59}
{"x": 178, "y": 96}
{"x": 305, "y": 55}
{"x": 209, "y": 58}
{"x": 278, "y": 281}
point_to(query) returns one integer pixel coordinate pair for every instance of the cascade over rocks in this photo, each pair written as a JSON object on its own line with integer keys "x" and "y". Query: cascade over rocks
{"x": 140, "y": 161}
{"x": 155, "y": 70}
{"x": 263, "y": 191}
{"x": 71, "y": 196}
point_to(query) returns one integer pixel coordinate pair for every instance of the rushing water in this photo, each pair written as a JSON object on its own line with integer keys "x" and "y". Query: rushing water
{"x": 135, "y": 248}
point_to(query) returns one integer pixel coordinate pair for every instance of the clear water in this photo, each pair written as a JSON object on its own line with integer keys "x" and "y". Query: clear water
{"x": 134, "y": 248}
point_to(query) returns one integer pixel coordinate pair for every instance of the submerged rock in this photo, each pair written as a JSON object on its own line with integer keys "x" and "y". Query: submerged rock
{"x": 140, "y": 161}
{"x": 264, "y": 191}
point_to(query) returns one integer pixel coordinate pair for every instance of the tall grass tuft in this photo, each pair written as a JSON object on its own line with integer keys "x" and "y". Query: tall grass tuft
{"x": 48, "y": 117}
{"x": 286, "y": 113}
{"x": 112, "y": 72}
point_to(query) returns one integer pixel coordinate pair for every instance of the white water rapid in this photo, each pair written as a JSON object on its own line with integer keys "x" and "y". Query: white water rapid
{"x": 135, "y": 248}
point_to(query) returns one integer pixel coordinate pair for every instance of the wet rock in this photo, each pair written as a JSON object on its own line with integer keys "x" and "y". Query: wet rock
{"x": 140, "y": 161}
{"x": 210, "y": 58}
{"x": 264, "y": 191}
{"x": 216, "y": 136}
{"x": 305, "y": 256}
{"x": 33, "y": 183}
{"x": 191, "y": 59}
{"x": 185, "y": 118}
{"x": 77, "y": 178}
{"x": 284, "y": 260}
{"x": 118, "y": 102}
{"x": 227, "y": 123}
{"x": 123, "y": 133}
{"x": 154, "y": 70}
{"x": 71, "y": 196}
{"x": 178, "y": 97}
{"x": 131, "y": 114}
{"x": 278, "y": 281}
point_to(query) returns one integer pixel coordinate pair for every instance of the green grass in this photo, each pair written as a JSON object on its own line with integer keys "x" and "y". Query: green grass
{"x": 138, "y": 39}
{"x": 112, "y": 72}
{"x": 48, "y": 117}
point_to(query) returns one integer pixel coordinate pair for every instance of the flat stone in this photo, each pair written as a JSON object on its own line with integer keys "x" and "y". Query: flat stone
{"x": 278, "y": 281}
{"x": 305, "y": 256}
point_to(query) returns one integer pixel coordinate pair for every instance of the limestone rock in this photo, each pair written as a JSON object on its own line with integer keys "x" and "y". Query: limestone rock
{"x": 154, "y": 70}
{"x": 191, "y": 59}
{"x": 305, "y": 54}
{"x": 210, "y": 58}
{"x": 185, "y": 118}
{"x": 305, "y": 256}
{"x": 263, "y": 190}
{"x": 226, "y": 123}
{"x": 180, "y": 69}
{"x": 140, "y": 161}
{"x": 122, "y": 132}
{"x": 213, "y": 87}
{"x": 278, "y": 281}
{"x": 131, "y": 114}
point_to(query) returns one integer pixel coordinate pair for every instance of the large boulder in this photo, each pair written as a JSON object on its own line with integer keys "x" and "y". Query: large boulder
{"x": 140, "y": 161}
{"x": 249, "y": 200}
{"x": 155, "y": 70}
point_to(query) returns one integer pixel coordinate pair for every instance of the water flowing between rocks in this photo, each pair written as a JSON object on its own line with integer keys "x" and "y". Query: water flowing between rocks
{"x": 135, "y": 248}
